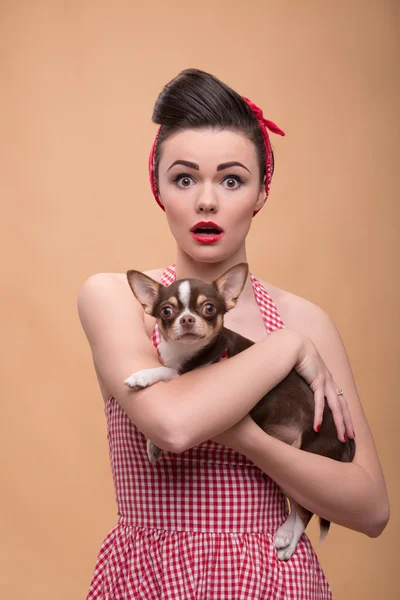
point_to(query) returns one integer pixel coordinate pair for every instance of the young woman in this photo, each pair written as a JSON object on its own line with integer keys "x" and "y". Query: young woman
{"x": 201, "y": 522}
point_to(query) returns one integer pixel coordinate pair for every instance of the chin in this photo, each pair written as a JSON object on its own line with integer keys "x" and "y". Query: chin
{"x": 189, "y": 340}
{"x": 207, "y": 253}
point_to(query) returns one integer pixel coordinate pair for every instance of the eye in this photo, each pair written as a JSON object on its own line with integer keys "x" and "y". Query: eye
{"x": 183, "y": 180}
{"x": 185, "y": 177}
{"x": 166, "y": 312}
{"x": 209, "y": 309}
{"x": 234, "y": 178}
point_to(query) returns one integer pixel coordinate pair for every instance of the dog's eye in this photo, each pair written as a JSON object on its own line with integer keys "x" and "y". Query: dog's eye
{"x": 166, "y": 312}
{"x": 209, "y": 309}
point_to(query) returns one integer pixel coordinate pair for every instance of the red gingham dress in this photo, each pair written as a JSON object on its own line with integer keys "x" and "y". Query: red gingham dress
{"x": 197, "y": 525}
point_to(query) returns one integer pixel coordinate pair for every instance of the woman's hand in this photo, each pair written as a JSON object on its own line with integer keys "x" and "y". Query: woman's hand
{"x": 235, "y": 435}
{"x": 312, "y": 368}
{"x": 314, "y": 371}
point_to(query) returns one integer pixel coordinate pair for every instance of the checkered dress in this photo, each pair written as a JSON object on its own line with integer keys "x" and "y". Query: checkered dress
{"x": 197, "y": 525}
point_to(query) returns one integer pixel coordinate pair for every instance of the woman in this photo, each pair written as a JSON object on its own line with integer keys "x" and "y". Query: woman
{"x": 200, "y": 524}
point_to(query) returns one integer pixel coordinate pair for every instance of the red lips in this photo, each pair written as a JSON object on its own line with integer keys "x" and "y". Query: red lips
{"x": 206, "y": 225}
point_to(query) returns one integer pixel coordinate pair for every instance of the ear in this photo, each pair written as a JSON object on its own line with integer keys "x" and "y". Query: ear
{"x": 261, "y": 197}
{"x": 231, "y": 283}
{"x": 145, "y": 289}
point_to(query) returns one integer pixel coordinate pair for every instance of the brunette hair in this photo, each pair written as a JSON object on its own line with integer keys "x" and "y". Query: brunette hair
{"x": 195, "y": 99}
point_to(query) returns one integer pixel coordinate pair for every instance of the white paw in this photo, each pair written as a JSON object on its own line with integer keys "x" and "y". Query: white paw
{"x": 283, "y": 539}
{"x": 153, "y": 452}
{"x": 287, "y": 536}
{"x": 139, "y": 380}
{"x": 147, "y": 377}
{"x": 284, "y": 535}
{"x": 286, "y": 553}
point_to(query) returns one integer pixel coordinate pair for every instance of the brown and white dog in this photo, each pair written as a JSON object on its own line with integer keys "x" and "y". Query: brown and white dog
{"x": 190, "y": 314}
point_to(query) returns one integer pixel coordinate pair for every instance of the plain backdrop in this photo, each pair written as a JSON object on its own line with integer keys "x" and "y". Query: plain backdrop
{"x": 78, "y": 81}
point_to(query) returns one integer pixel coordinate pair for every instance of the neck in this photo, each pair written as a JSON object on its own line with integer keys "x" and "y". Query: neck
{"x": 187, "y": 267}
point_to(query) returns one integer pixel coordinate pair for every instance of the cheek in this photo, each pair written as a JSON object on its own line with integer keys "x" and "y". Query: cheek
{"x": 174, "y": 209}
{"x": 174, "y": 204}
{"x": 175, "y": 218}
{"x": 242, "y": 214}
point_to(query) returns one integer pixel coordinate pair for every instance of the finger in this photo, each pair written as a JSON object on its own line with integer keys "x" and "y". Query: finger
{"x": 337, "y": 415}
{"x": 348, "y": 422}
{"x": 319, "y": 401}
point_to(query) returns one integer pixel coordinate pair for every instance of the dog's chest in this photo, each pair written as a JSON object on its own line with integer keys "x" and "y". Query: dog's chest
{"x": 174, "y": 354}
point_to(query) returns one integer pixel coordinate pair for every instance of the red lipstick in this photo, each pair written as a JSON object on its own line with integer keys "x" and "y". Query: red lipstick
{"x": 206, "y": 232}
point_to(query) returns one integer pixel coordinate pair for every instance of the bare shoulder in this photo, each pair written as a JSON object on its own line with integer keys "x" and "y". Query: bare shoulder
{"x": 116, "y": 328}
{"x": 104, "y": 297}
{"x": 110, "y": 292}
{"x": 297, "y": 312}
{"x": 116, "y": 281}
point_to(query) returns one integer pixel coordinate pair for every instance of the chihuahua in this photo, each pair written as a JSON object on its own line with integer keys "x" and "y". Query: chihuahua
{"x": 190, "y": 314}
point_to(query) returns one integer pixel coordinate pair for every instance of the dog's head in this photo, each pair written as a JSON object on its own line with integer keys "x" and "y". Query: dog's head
{"x": 189, "y": 310}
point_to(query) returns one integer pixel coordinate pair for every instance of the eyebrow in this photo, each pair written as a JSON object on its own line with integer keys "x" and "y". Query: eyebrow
{"x": 221, "y": 167}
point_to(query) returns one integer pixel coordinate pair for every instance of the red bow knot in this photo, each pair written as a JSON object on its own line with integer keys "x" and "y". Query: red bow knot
{"x": 258, "y": 113}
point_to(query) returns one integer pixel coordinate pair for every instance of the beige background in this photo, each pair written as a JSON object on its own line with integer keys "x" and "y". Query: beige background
{"x": 78, "y": 83}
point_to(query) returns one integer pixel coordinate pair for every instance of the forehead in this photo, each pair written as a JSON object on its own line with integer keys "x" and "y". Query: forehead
{"x": 208, "y": 146}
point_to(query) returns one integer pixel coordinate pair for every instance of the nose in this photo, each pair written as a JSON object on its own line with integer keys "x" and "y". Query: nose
{"x": 207, "y": 202}
{"x": 187, "y": 320}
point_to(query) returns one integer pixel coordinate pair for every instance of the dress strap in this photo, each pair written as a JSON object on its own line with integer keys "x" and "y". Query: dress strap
{"x": 267, "y": 306}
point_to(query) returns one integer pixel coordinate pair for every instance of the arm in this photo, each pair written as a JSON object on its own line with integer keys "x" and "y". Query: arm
{"x": 195, "y": 406}
{"x": 351, "y": 494}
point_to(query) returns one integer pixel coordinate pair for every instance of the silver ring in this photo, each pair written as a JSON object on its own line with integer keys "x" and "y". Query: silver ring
{"x": 341, "y": 393}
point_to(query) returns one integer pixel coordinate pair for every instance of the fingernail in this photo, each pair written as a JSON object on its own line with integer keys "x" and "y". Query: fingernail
{"x": 318, "y": 428}
{"x": 345, "y": 437}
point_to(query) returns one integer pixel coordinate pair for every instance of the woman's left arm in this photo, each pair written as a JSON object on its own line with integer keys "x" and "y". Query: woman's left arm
{"x": 350, "y": 494}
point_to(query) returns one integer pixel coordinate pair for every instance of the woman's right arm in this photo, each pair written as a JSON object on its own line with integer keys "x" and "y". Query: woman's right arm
{"x": 193, "y": 407}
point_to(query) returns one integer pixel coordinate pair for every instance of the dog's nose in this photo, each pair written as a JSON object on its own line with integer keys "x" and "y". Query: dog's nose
{"x": 187, "y": 320}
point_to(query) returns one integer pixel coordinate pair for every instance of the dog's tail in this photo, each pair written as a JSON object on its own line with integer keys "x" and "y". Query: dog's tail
{"x": 324, "y": 528}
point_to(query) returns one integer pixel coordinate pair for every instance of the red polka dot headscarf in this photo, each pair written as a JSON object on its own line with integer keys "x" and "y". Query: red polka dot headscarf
{"x": 265, "y": 124}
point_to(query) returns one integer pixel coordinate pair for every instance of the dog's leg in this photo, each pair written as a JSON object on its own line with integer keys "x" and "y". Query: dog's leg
{"x": 147, "y": 377}
{"x": 284, "y": 534}
{"x": 291, "y": 530}
{"x": 288, "y": 534}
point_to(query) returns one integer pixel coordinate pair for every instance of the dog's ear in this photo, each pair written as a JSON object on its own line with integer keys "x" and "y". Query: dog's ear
{"x": 145, "y": 289}
{"x": 231, "y": 284}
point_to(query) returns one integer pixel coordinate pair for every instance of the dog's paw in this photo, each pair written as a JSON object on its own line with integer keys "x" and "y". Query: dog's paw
{"x": 138, "y": 380}
{"x": 146, "y": 377}
{"x": 286, "y": 553}
{"x": 153, "y": 452}
{"x": 284, "y": 535}
{"x": 287, "y": 537}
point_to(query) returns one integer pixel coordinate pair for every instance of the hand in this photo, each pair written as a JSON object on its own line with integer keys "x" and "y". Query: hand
{"x": 312, "y": 368}
{"x": 233, "y": 436}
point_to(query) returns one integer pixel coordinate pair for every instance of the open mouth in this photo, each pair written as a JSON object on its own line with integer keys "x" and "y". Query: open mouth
{"x": 206, "y": 232}
{"x": 207, "y": 228}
